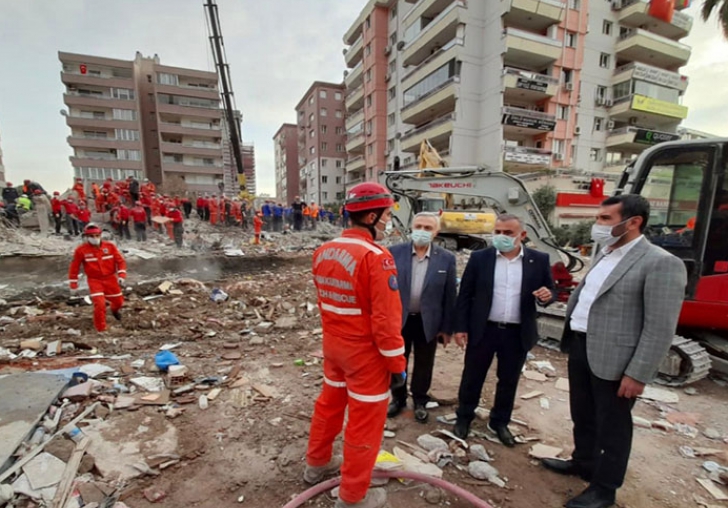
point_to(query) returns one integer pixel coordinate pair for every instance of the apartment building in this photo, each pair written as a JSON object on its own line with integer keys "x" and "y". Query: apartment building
{"x": 2, "y": 167}
{"x": 285, "y": 145}
{"x": 520, "y": 85}
{"x": 145, "y": 119}
{"x": 321, "y": 143}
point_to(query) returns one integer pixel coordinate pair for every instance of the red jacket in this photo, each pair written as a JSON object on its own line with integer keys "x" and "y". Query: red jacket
{"x": 56, "y": 205}
{"x": 146, "y": 200}
{"x": 200, "y": 203}
{"x": 84, "y": 215}
{"x": 139, "y": 214}
{"x": 98, "y": 262}
{"x": 124, "y": 213}
{"x": 257, "y": 224}
{"x": 358, "y": 297}
{"x": 70, "y": 208}
{"x": 175, "y": 215}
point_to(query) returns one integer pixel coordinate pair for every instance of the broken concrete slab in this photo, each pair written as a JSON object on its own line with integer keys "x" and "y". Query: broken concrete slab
{"x": 542, "y": 451}
{"x": 562, "y": 384}
{"x": 534, "y": 376}
{"x": 531, "y": 395}
{"x": 264, "y": 327}
{"x": 286, "y": 322}
{"x": 660, "y": 395}
{"x": 24, "y": 399}
{"x": 22, "y": 486}
{"x": 715, "y": 491}
{"x": 430, "y": 443}
{"x": 45, "y": 470}
{"x": 79, "y": 392}
{"x": 164, "y": 287}
{"x": 34, "y": 344}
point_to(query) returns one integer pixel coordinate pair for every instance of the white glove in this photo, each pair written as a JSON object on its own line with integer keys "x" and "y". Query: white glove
{"x": 122, "y": 282}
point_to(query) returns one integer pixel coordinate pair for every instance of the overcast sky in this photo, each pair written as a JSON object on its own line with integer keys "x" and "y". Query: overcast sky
{"x": 275, "y": 48}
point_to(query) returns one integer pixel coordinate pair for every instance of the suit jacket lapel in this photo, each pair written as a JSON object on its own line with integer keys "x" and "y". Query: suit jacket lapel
{"x": 625, "y": 264}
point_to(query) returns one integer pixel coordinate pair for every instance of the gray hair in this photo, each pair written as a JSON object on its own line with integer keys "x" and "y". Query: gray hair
{"x": 509, "y": 216}
{"x": 430, "y": 215}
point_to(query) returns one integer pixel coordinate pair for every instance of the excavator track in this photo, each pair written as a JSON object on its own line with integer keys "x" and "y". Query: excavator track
{"x": 686, "y": 363}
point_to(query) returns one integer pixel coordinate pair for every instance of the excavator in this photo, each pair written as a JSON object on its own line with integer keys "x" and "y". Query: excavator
{"x": 686, "y": 183}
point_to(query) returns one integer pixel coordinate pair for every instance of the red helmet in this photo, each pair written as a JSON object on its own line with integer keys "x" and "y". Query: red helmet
{"x": 56, "y": 193}
{"x": 368, "y": 196}
{"x": 37, "y": 191}
{"x": 92, "y": 229}
{"x": 8, "y": 184}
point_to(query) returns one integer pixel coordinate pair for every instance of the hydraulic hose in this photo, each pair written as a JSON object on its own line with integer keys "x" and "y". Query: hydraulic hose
{"x": 314, "y": 491}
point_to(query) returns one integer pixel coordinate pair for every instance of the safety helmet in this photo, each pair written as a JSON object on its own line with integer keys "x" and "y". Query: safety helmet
{"x": 91, "y": 229}
{"x": 368, "y": 196}
{"x": 37, "y": 191}
{"x": 8, "y": 184}
{"x": 56, "y": 193}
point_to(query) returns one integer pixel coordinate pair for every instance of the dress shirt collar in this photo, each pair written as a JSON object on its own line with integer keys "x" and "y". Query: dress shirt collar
{"x": 624, "y": 249}
{"x": 427, "y": 254}
{"x": 520, "y": 254}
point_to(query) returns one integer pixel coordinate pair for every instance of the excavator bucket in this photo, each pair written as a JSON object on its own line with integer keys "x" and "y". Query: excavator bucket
{"x": 429, "y": 158}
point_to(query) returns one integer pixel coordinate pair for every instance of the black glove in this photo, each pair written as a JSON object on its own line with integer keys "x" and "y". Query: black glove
{"x": 398, "y": 380}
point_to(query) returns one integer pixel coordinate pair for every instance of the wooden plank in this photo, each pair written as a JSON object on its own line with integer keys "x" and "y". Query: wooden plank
{"x": 69, "y": 474}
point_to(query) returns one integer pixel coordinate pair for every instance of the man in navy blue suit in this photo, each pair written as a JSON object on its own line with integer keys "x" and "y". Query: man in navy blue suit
{"x": 496, "y": 316}
{"x": 426, "y": 276}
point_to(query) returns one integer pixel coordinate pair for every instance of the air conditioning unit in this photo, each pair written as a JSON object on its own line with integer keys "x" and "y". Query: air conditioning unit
{"x": 610, "y": 125}
{"x": 577, "y": 130}
{"x": 400, "y": 45}
{"x": 388, "y": 51}
{"x": 608, "y": 103}
{"x": 558, "y": 157}
{"x": 600, "y": 101}
{"x": 398, "y": 135}
{"x": 633, "y": 120}
{"x": 388, "y": 77}
{"x": 346, "y": 73}
{"x": 345, "y": 51}
{"x": 369, "y": 133}
{"x": 569, "y": 87}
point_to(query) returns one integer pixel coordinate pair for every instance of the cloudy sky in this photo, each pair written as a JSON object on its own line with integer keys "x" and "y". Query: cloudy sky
{"x": 276, "y": 48}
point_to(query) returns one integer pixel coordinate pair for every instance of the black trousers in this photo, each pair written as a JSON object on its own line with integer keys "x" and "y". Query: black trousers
{"x": 602, "y": 421}
{"x": 140, "y": 229}
{"x": 297, "y": 221}
{"x": 505, "y": 343}
{"x": 413, "y": 334}
{"x": 206, "y": 210}
{"x": 177, "y": 231}
{"x": 57, "y": 220}
{"x": 187, "y": 207}
{"x": 149, "y": 215}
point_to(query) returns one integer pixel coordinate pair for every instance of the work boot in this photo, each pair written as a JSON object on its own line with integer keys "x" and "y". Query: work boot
{"x": 375, "y": 498}
{"x": 421, "y": 413}
{"x": 314, "y": 474}
{"x": 116, "y": 314}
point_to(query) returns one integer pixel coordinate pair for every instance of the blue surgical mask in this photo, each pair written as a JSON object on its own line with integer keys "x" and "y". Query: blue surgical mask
{"x": 504, "y": 243}
{"x": 420, "y": 237}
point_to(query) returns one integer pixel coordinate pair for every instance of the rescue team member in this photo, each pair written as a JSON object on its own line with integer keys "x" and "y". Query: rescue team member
{"x": 258, "y": 227}
{"x": 79, "y": 189}
{"x": 139, "y": 216}
{"x": 177, "y": 227}
{"x": 363, "y": 349}
{"x": 105, "y": 270}
{"x": 57, "y": 210}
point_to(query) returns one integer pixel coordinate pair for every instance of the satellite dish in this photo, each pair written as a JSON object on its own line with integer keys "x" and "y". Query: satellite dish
{"x": 64, "y": 112}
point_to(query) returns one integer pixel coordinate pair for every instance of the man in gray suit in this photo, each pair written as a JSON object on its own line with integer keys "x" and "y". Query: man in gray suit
{"x": 426, "y": 277}
{"x": 620, "y": 323}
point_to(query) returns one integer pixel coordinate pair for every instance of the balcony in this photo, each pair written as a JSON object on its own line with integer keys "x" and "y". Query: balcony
{"x": 180, "y": 110}
{"x": 355, "y": 99}
{"x": 524, "y": 86}
{"x": 199, "y": 169}
{"x": 102, "y": 143}
{"x": 434, "y": 104}
{"x": 196, "y": 130}
{"x": 187, "y": 149}
{"x": 448, "y": 52}
{"x": 643, "y": 72}
{"x": 101, "y": 123}
{"x": 519, "y": 159}
{"x": 189, "y": 91}
{"x": 535, "y": 15}
{"x": 641, "y": 110}
{"x": 519, "y": 121}
{"x": 74, "y": 78}
{"x": 105, "y": 163}
{"x": 355, "y": 164}
{"x": 355, "y": 143}
{"x": 354, "y": 120}
{"x": 355, "y": 76}
{"x": 528, "y": 50}
{"x": 441, "y": 30}
{"x": 636, "y": 139}
{"x": 643, "y": 46}
{"x": 437, "y": 132}
{"x": 98, "y": 101}
{"x": 354, "y": 53}
{"x": 636, "y": 14}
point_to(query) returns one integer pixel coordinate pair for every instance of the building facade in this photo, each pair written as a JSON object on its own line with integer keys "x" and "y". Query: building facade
{"x": 520, "y": 85}
{"x": 285, "y": 146}
{"x": 321, "y": 143}
{"x": 144, "y": 119}
{"x": 2, "y": 167}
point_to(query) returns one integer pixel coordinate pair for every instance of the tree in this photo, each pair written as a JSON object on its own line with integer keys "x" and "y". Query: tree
{"x": 545, "y": 199}
{"x": 581, "y": 233}
{"x": 721, "y": 7}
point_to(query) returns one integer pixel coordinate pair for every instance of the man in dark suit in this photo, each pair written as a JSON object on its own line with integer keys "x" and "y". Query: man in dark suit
{"x": 496, "y": 316}
{"x": 426, "y": 276}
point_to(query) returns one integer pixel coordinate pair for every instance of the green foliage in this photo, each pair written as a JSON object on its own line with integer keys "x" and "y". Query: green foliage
{"x": 581, "y": 233}
{"x": 545, "y": 199}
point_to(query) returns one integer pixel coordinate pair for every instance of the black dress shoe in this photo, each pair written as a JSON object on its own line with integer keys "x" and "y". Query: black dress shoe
{"x": 421, "y": 414}
{"x": 504, "y": 435}
{"x": 593, "y": 497}
{"x": 462, "y": 429}
{"x": 395, "y": 407}
{"x": 566, "y": 467}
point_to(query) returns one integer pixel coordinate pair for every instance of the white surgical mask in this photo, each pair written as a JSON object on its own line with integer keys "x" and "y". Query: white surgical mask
{"x": 387, "y": 226}
{"x": 504, "y": 243}
{"x": 602, "y": 233}
{"x": 420, "y": 237}
{"x": 94, "y": 241}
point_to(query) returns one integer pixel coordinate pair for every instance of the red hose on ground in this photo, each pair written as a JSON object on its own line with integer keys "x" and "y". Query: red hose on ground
{"x": 438, "y": 482}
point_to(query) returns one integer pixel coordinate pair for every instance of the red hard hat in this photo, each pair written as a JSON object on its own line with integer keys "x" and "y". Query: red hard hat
{"x": 368, "y": 196}
{"x": 92, "y": 229}
{"x": 56, "y": 193}
{"x": 8, "y": 184}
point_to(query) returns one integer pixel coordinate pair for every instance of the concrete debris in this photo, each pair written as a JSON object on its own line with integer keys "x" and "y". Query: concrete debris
{"x": 286, "y": 322}
{"x": 544, "y": 402}
{"x": 690, "y": 391}
{"x": 638, "y": 421}
{"x": 544, "y": 367}
{"x": 534, "y": 376}
{"x": 6, "y": 493}
{"x": 94, "y": 370}
{"x": 484, "y": 471}
{"x": 389, "y": 434}
{"x": 264, "y": 327}
{"x": 660, "y": 395}
{"x": 562, "y": 384}
{"x": 542, "y": 451}
{"x": 45, "y": 470}
{"x": 531, "y": 395}
{"x": 154, "y": 495}
{"x": 686, "y": 418}
{"x": 34, "y": 344}
{"x": 150, "y": 384}
{"x": 79, "y": 392}
{"x": 477, "y": 451}
{"x": 668, "y": 427}
{"x": 712, "y": 433}
{"x": 430, "y": 443}
{"x": 715, "y": 491}
{"x": 680, "y": 428}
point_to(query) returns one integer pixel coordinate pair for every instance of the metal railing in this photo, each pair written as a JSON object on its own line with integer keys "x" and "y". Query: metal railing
{"x": 509, "y": 110}
{"x": 526, "y": 150}
{"x": 457, "y": 41}
{"x": 531, "y": 75}
{"x": 103, "y": 97}
{"x": 454, "y": 79}
{"x": 436, "y": 20}
{"x": 646, "y": 33}
{"x": 429, "y": 125}
{"x": 532, "y": 36}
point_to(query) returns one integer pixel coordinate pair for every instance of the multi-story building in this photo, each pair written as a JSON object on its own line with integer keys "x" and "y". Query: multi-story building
{"x": 687, "y": 134}
{"x": 248, "y": 153}
{"x": 285, "y": 145}
{"x": 2, "y": 167}
{"x": 520, "y": 85}
{"x": 145, "y": 119}
{"x": 321, "y": 143}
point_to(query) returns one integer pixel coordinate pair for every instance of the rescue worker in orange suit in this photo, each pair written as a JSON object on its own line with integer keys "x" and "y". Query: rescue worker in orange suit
{"x": 177, "y": 227}
{"x": 213, "y": 210}
{"x": 258, "y": 227}
{"x": 79, "y": 190}
{"x": 363, "y": 348}
{"x": 105, "y": 270}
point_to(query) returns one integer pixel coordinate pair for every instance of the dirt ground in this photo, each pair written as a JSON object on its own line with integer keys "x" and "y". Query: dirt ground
{"x": 252, "y": 447}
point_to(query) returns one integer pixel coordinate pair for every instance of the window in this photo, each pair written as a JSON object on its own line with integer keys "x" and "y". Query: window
{"x": 368, "y": 23}
{"x": 601, "y": 92}
{"x": 123, "y": 114}
{"x": 393, "y": 13}
{"x": 338, "y": 180}
{"x": 325, "y": 195}
{"x": 594, "y": 154}
{"x": 323, "y": 94}
{"x": 558, "y": 146}
{"x": 122, "y": 93}
{"x": 310, "y": 118}
{"x": 340, "y": 148}
{"x": 126, "y": 135}
{"x": 324, "y": 178}
{"x": 369, "y": 101}
{"x": 566, "y": 75}
{"x": 607, "y": 27}
{"x": 390, "y": 119}
{"x": 393, "y": 93}
{"x": 312, "y": 150}
{"x": 604, "y": 60}
{"x": 598, "y": 123}
{"x": 368, "y": 75}
{"x": 571, "y": 39}
{"x": 324, "y": 146}
{"x": 324, "y": 112}
{"x": 368, "y": 50}
{"x": 575, "y": 4}
{"x": 339, "y": 131}
{"x": 562, "y": 112}
{"x": 340, "y": 196}
{"x": 167, "y": 79}
{"x": 310, "y": 100}
{"x": 337, "y": 96}
{"x": 98, "y": 134}
{"x": 393, "y": 39}
{"x": 370, "y": 149}
{"x": 130, "y": 155}
{"x": 390, "y": 145}
{"x": 392, "y": 66}
{"x": 339, "y": 114}
{"x": 324, "y": 129}
{"x": 436, "y": 79}
{"x": 324, "y": 162}
{"x": 339, "y": 163}
{"x": 312, "y": 133}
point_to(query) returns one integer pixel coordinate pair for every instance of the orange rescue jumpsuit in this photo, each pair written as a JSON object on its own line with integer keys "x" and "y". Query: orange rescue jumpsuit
{"x": 361, "y": 314}
{"x": 103, "y": 266}
{"x": 213, "y": 211}
{"x": 80, "y": 190}
{"x": 258, "y": 227}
